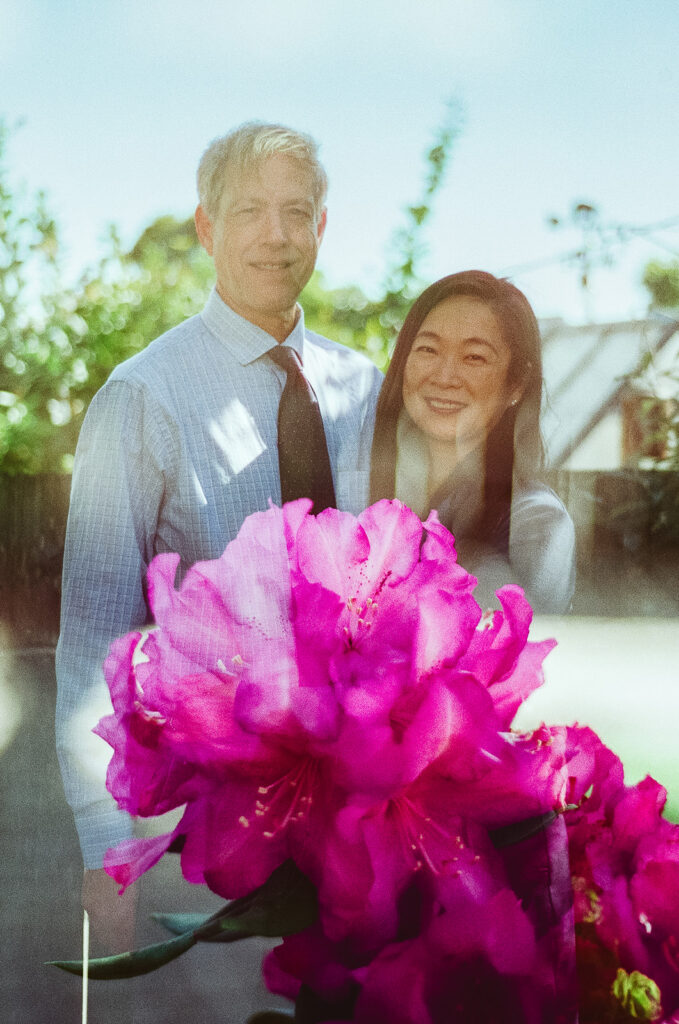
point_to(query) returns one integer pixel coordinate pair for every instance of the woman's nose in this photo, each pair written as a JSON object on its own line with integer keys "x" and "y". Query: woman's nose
{"x": 448, "y": 374}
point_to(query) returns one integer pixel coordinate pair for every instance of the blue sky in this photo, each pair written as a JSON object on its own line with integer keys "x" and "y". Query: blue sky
{"x": 562, "y": 102}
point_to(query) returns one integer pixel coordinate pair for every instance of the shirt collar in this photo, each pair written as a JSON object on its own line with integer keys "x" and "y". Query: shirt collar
{"x": 245, "y": 341}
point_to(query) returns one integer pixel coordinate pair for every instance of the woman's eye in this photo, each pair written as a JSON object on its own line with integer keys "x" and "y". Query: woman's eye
{"x": 476, "y": 358}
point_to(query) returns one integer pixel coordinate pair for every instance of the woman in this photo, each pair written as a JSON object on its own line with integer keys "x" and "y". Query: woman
{"x": 458, "y": 430}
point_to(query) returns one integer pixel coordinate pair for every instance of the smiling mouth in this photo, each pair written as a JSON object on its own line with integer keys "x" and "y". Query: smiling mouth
{"x": 445, "y": 404}
{"x": 279, "y": 265}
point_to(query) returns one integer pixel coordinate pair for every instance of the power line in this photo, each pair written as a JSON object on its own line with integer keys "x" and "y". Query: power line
{"x": 622, "y": 233}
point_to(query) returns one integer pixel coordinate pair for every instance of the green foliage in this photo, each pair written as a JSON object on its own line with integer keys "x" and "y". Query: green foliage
{"x": 134, "y": 297}
{"x": 658, "y": 500}
{"x": 58, "y": 345}
{"x": 371, "y": 325}
{"x": 659, "y": 412}
{"x": 285, "y": 904}
{"x": 662, "y": 281}
{"x": 33, "y": 340}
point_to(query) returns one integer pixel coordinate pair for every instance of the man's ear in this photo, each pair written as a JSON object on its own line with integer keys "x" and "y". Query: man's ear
{"x": 322, "y": 220}
{"x": 203, "y": 229}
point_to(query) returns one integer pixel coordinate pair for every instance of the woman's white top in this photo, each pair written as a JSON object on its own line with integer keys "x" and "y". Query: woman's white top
{"x": 541, "y": 532}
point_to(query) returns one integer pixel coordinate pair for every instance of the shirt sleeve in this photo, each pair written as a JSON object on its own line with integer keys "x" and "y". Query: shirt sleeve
{"x": 542, "y": 551}
{"x": 368, "y": 428}
{"x": 116, "y": 494}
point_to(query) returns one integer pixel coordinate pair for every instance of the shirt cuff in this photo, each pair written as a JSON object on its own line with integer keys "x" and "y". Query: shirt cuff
{"x": 101, "y": 826}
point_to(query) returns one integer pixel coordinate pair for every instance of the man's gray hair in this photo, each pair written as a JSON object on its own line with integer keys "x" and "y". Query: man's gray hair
{"x": 246, "y": 146}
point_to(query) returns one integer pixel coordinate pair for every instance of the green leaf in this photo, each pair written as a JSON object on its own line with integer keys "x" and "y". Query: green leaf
{"x": 130, "y": 965}
{"x": 180, "y": 923}
{"x": 286, "y": 903}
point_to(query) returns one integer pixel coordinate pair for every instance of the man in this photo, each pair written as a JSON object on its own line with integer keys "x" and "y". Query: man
{"x": 180, "y": 445}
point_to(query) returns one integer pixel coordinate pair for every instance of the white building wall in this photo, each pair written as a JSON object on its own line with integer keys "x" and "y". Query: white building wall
{"x": 602, "y": 448}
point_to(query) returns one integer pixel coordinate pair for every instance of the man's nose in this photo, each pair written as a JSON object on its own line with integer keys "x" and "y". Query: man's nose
{"x": 274, "y": 226}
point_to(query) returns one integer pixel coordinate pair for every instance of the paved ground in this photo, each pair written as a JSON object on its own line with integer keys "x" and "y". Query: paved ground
{"x": 620, "y": 676}
{"x": 41, "y": 872}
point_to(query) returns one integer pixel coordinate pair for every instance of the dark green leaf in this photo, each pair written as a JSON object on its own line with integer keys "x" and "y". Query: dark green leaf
{"x": 130, "y": 965}
{"x": 286, "y": 903}
{"x": 180, "y": 923}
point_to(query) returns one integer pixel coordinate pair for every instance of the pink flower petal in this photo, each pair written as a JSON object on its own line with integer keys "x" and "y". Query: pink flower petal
{"x": 131, "y": 858}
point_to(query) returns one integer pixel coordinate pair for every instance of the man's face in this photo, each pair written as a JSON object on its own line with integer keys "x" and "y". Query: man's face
{"x": 264, "y": 241}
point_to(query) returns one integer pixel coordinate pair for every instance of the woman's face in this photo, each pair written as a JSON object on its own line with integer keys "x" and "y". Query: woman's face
{"x": 455, "y": 384}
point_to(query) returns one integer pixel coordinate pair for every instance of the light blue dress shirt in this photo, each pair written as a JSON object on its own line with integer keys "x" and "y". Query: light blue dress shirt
{"x": 177, "y": 449}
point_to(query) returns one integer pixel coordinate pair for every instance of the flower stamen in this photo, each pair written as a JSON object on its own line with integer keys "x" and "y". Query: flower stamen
{"x": 418, "y": 831}
{"x": 289, "y": 797}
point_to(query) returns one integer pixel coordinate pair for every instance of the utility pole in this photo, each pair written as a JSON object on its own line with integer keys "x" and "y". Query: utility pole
{"x": 586, "y": 218}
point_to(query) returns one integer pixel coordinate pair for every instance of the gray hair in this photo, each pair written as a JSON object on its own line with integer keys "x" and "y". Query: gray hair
{"x": 244, "y": 147}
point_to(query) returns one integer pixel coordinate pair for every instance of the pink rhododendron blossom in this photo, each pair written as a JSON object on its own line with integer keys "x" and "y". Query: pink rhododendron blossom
{"x": 310, "y": 958}
{"x": 333, "y": 966}
{"x": 522, "y": 776}
{"x": 477, "y": 961}
{"x": 131, "y": 858}
{"x": 321, "y": 664}
{"x": 625, "y": 863}
{"x": 467, "y": 944}
{"x": 330, "y": 691}
{"x": 414, "y": 837}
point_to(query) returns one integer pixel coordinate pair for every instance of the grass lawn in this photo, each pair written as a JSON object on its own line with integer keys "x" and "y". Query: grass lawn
{"x": 621, "y": 677}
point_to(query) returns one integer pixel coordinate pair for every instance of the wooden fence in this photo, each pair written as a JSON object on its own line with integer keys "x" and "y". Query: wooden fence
{"x": 627, "y": 526}
{"x": 627, "y": 529}
{"x": 33, "y": 512}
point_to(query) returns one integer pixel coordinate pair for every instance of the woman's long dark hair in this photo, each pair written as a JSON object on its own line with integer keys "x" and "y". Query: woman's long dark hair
{"x": 515, "y": 443}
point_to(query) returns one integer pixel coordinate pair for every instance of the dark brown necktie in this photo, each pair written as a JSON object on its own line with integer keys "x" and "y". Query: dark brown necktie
{"x": 302, "y": 448}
